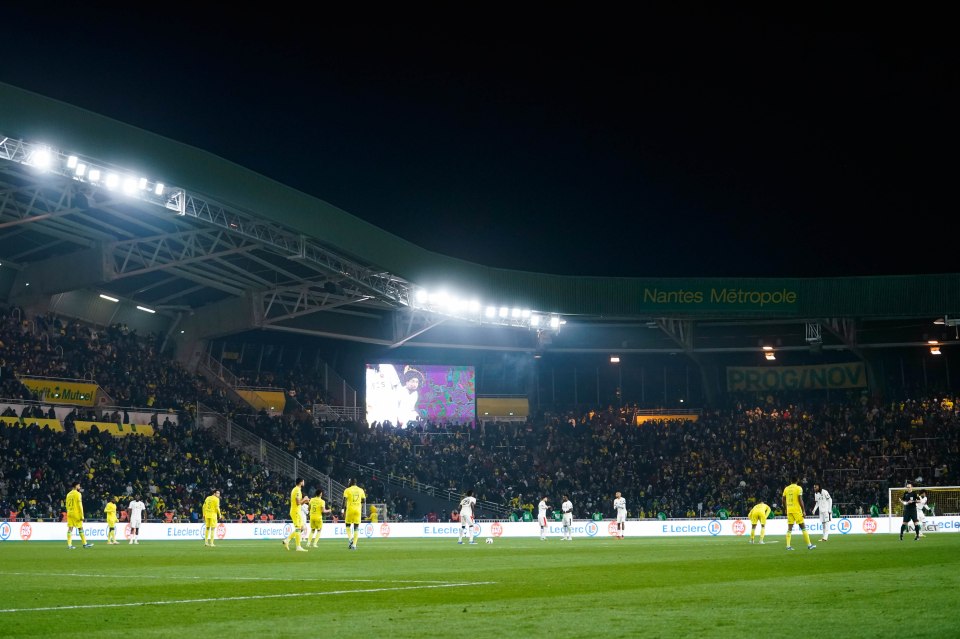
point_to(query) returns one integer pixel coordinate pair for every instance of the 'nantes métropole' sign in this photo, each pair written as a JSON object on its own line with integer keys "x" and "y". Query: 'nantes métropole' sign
{"x": 720, "y": 297}
{"x": 765, "y": 378}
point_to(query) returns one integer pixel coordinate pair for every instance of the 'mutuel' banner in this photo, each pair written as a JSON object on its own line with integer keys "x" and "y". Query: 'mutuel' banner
{"x": 766, "y": 378}
{"x": 61, "y": 391}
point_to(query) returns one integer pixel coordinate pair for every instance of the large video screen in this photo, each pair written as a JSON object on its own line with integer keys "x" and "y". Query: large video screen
{"x": 399, "y": 394}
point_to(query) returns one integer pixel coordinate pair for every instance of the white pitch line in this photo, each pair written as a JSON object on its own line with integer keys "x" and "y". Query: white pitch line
{"x": 186, "y": 577}
{"x": 244, "y": 598}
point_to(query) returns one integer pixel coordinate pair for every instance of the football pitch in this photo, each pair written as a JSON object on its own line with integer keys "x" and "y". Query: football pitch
{"x": 853, "y": 586}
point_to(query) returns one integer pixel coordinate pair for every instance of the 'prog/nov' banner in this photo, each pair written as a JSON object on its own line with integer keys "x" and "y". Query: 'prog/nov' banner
{"x": 763, "y": 378}
{"x": 62, "y": 391}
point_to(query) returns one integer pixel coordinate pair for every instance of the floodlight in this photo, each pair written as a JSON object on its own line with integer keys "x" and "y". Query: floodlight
{"x": 112, "y": 181}
{"x": 504, "y": 311}
{"x": 41, "y": 158}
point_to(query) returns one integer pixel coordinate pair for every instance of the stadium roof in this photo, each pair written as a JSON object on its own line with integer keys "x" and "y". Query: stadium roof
{"x": 224, "y": 250}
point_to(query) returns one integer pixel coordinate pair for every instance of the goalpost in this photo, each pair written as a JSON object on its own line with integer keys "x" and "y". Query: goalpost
{"x": 941, "y": 500}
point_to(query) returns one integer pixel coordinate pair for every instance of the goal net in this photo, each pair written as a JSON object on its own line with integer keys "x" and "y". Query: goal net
{"x": 941, "y": 500}
{"x": 380, "y": 510}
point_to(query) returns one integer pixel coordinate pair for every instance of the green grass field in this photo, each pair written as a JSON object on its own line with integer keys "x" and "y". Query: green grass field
{"x": 855, "y": 586}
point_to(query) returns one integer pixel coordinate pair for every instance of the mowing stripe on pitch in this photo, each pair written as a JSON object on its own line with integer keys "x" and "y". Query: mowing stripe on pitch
{"x": 186, "y": 577}
{"x": 138, "y": 604}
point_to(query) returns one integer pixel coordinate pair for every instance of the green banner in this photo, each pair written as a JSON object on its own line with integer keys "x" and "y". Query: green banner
{"x": 826, "y": 376}
{"x": 732, "y": 298}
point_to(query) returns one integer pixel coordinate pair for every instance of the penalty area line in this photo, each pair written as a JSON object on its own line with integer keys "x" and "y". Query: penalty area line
{"x": 137, "y": 604}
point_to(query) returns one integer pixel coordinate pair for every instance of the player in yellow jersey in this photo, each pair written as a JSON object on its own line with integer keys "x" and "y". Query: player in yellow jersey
{"x": 211, "y": 517}
{"x": 110, "y": 511}
{"x": 318, "y": 508}
{"x": 74, "y": 505}
{"x": 793, "y": 506}
{"x": 353, "y": 499}
{"x": 296, "y": 500}
{"x": 758, "y": 515}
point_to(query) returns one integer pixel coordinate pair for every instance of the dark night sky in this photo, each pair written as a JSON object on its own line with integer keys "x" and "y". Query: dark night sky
{"x": 656, "y": 143}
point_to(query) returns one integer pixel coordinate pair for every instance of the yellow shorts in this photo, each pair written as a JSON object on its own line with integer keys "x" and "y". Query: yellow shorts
{"x": 297, "y": 518}
{"x": 794, "y": 517}
{"x": 74, "y": 522}
{"x": 755, "y": 519}
{"x": 211, "y": 522}
{"x": 352, "y": 517}
{"x": 316, "y": 523}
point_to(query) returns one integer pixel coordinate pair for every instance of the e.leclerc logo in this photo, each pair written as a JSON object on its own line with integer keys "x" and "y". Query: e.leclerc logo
{"x": 714, "y": 528}
{"x": 592, "y": 528}
{"x": 844, "y": 526}
{"x": 368, "y": 531}
{"x": 5, "y": 530}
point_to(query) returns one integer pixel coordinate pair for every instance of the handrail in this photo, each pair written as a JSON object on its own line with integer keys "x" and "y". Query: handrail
{"x": 426, "y": 489}
{"x": 266, "y": 453}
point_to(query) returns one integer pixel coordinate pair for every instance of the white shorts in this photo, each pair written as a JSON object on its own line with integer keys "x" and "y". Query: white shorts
{"x": 466, "y": 520}
{"x": 568, "y": 519}
{"x": 542, "y": 520}
{"x": 135, "y": 523}
{"x": 825, "y": 518}
{"x": 621, "y": 517}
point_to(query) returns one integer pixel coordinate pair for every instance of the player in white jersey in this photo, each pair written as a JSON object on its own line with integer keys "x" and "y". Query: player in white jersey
{"x": 467, "y": 504}
{"x": 542, "y": 508}
{"x": 305, "y": 515}
{"x": 620, "y": 505}
{"x": 824, "y": 506}
{"x": 567, "y": 508}
{"x": 921, "y": 516}
{"x": 135, "y": 511}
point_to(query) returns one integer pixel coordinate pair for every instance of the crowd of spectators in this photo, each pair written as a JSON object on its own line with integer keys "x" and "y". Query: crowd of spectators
{"x": 172, "y": 472}
{"x": 725, "y": 461}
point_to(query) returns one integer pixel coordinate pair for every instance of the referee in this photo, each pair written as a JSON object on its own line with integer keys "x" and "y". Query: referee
{"x": 909, "y": 500}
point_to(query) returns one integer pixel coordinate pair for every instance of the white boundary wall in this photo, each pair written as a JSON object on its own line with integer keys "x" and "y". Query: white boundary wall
{"x": 582, "y": 528}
